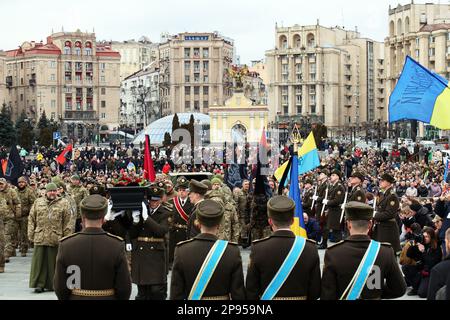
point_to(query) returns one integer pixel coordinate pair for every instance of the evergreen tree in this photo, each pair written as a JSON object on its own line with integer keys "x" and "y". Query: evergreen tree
{"x": 43, "y": 121}
{"x": 21, "y": 119}
{"x": 175, "y": 123}
{"x": 7, "y": 130}
{"x": 167, "y": 140}
{"x": 45, "y": 131}
{"x": 25, "y": 132}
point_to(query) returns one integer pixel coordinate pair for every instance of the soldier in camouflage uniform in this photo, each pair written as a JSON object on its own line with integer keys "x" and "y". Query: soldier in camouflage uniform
{"x": 49, "y": 221}
{"x": 229, "y": 229}
{"x": 12, "y": 214}
{"x": 78, "y": 193}
{"x": 3, "y": 209}
{"x": 62, "y": 193}
{"x": 243, "y": 204}
{"x": 259, "y": 224}
{"x": 27, "y": 197}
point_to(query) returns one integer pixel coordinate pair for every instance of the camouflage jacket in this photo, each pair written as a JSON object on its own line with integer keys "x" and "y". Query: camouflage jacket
{"x": 78, "y": 193}
{"x": 49, "y": 221}
{"x": 27, "y": 197}
{"x": 10, "y": 206}
{"x": 230, "y": 227}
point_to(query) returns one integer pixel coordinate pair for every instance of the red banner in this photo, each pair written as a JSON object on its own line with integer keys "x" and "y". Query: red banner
{"x": 61, "y": 159}
{"x": 149, "y": 169}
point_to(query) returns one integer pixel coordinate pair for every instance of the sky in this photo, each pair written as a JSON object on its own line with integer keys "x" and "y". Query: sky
{"x": 251, "y": 23}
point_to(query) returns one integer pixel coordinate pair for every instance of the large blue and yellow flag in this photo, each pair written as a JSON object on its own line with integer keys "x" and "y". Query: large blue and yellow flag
{"x": 420, "y": 95}
{"x": 294, "y": 193}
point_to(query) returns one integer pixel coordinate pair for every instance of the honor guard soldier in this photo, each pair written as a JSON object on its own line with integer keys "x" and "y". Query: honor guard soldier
{"x": 358, "y": 268}
{"x": 197, "y": 192}
{"x": 148, "y": 258}
{"x": 99, "y": 257}
{"x": 179, "y": 218}
{"x": 333, "y": 202}
{"x": 386, "y": 227}
{"x": 204, "y": 267}
{"x": 307, "y": 199}
{"x": 321, "y": 191}
{"x": 357, "y": 192}
{"x": 293, "y": 270}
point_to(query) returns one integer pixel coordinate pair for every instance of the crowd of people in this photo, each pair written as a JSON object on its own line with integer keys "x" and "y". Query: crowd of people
{"x": 409, "y": 199}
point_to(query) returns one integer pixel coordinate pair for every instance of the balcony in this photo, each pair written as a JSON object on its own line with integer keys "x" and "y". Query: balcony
{"x": 80, "y": 115}
{"x": 9, "y": 82}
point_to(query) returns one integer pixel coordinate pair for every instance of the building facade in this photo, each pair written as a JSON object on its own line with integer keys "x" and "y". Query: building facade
{"x": 327, "y": 75}
{"x": 193, "y": 72}
{"x": 72, "y": 78}
{"x": 421, "y": 31}
{"x": 134, "y": 55}
{"x": 140, "y": 98}
{"x": 3, "y": 91}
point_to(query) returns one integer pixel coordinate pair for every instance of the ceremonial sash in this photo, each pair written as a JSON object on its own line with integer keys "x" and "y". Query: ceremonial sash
{"x": 356, "y": 285}
{"x": 207, "y": 270}
{"x": 180, "y": 209}
{"x": 285, "y": 269}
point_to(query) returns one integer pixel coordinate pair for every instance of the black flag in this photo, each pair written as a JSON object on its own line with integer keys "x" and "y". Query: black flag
{"x": 14, "y": 168}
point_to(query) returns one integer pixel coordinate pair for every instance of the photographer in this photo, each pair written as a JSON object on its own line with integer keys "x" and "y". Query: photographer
{"x": 425, "y": 252}
{"x": 442, "y": 209}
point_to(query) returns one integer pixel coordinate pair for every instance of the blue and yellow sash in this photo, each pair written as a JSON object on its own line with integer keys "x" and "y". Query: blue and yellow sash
{"x": 207, "y": 270}
{"x": 285, "y": 269}
{"x": 356, "y": 285}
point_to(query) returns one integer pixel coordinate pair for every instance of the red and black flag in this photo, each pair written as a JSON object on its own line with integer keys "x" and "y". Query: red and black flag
{"x": 149, "y": 168}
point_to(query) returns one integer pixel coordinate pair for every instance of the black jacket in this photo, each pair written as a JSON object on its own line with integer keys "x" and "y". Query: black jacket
{"x": 425, "y": 260}
{"x": 440, "y": 275}
{"x": 442, "y": 209}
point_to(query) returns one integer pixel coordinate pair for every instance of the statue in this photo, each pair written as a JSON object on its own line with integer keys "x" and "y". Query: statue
{"x": 237, "y": 74}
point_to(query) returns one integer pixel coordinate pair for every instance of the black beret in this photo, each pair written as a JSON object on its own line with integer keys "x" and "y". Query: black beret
{"x": 387, "y": 177}
{"x": 281, "y": 208}
{"x": 155, "y": 193}
{"x": 94, "y": 207}
{"x": 355, "y": 210}
{"x": 198, "y": 187}
{"x": 209, "y": 213}
{"x": 415, "y": 206}
{"x": 337, "y": 172}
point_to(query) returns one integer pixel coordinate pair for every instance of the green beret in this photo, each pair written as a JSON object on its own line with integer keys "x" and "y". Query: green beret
{"x": 209, "y": 213}
{"x": 357, "y": 174}
{"x": 94, "y": 207}
{"x": 198, "y": 187}
{"x": 358, "y": 211}
{"x": 75, "y": 177}
{"x": 51, "y": 187}
{"x": 387, "y": 177}
{"x": 22, "y": 179}
{"x": 218, "y": 176}
{"x": 182, "y": 182}
{"x": 281, "y": 208}
{"x": 216, "y": 180}
{"x": 59, "y": 183}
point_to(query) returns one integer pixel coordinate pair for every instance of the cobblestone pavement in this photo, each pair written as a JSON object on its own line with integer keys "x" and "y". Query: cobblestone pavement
{"x": 14, "y": 282}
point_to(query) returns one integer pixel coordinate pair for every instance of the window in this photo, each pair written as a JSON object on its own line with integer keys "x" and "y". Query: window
{"x": 103, "y": 115}
{"x": 53, "y": 90}
{"x": 196, "y": 77}
{"x": 187, "y": 52}
{"x": 67, "y": 50}
{"x": 286, "y": 110}
{"x": 102, "y": 79}
{"x": 53, "y": 103}
{"x": 187, "y": 91}
{"x": 52, "y": 64}
{"x": 313, "y": 109}
{"x": 417, "y": 53}
{"x": 299, "y": 109}
{"x": 431, "y": 52}
{"x": 196, "y": 105}
{"x": 205, "y": 104}
{"x": 78, "y": 51}
{"x": 102, "y": 66}
{"x": 53, "y": 115}
{"x": 68, "y": 66}
{"x": 205, "y": 91}
{"x": 21, "y": 97}
{"x": 103, "y": 104}
{"x": 196, "y": 66}
{"x": 187, "y": 79}
{"x": 205, "y": 53}
{"x": 205, "y": 66}
{"x": 52, "y": 77}
{"x": 88, "y": 52}
{"x": 187, "y": 105}
{"x": 205, "y": 79}
{"x": 196, "y": 90}
{"x": 285, "y": 69}
{"x": 187, "y": 67}
{"x": 196, "y": 52}
{"x": 103, "y": 91}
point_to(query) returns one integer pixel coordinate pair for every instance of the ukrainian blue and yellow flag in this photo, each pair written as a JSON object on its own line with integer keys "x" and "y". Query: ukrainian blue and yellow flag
{"x": 294, "y": 193}
{"x": 420, "y": 95}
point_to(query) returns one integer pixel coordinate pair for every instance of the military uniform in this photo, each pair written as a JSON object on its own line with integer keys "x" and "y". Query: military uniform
{"x": 307, "y": 201}
{"x": 200, "y": 188}
{"x": 336, "y": 197}
{"x": 49, "y": 221}
{"x": 27, "y": 197}
{"x": 12, "y": 217}
{"x": 100, "y": 256}
{"x": 227, "y": 281}
{"x": 149, "y": 255}
{"x": 357, "y": 193}
{"x": 386, "y": 227}
{"x": 229, "y": 229}
{"x": 243, "y": 205}
{"x": 78, "y": 193}
{"x": 258, "y": 220}
{"x": 267, "y": 255}
{"x": 321, "y": 191}
{"x": 343, "y": 259}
